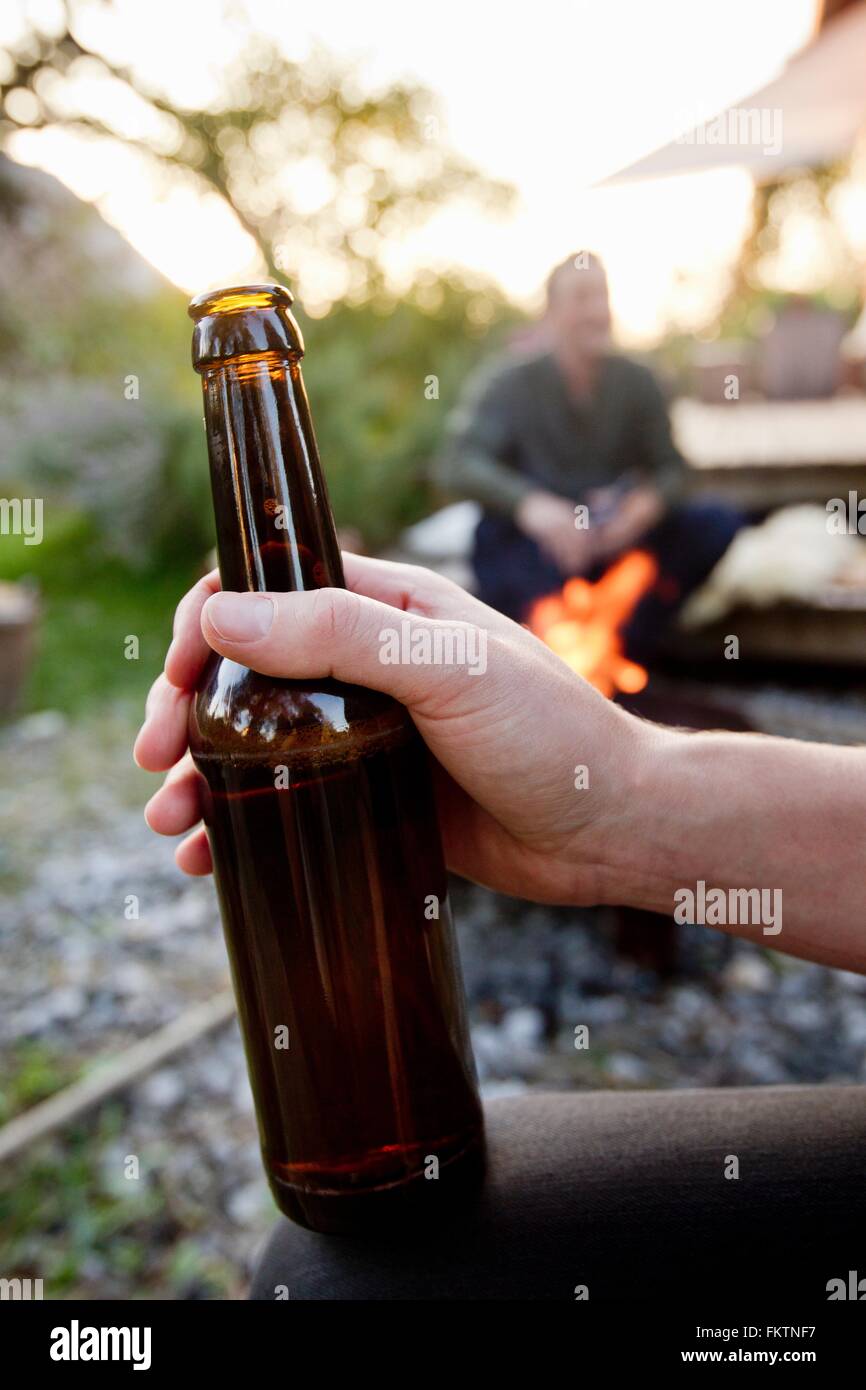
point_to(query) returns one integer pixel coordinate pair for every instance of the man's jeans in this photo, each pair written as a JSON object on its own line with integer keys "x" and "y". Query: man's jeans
{"x": 512, "y": 571}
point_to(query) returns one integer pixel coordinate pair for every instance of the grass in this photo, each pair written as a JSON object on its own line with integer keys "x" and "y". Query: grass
{"x": 31, "y": 1072}
{"x": 81, "y": 659}
{"x": 81, "y": 662}
{"x": 67, "y": 1215}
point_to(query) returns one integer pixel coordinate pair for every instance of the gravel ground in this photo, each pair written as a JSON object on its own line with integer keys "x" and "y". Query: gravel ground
{"x": 84, "y": 976}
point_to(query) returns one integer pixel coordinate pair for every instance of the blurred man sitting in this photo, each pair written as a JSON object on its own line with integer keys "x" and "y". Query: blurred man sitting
{"x": 577, "y": 424}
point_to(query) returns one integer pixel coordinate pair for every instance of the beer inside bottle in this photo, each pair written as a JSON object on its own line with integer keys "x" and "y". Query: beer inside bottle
{"x": 325, "y": 842}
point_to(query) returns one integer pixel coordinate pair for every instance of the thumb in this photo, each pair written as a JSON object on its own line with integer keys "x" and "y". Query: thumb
{"x": 420, "y": 661}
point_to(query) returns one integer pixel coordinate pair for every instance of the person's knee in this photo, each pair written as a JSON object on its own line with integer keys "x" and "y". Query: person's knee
{"x": 404, "y": 1263}
{"x": 298, "y": 1264}
{"x": 694, "y": 537}
{"x": 710, "y": 522}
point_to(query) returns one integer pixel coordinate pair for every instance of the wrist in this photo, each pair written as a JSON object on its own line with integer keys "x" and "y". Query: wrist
{"x": 656, "y": 798}
{"x": 512, "y": 491}
{"x": 527, "y": 503}
{"x": 685, "y": 817}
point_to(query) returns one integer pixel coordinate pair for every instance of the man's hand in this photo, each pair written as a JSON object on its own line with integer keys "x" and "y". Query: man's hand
{"x": 507, "y": 741}
{"x": 637, "y": 513}
{"x": 662, "y": 810}
{"x": 550, "y": 521}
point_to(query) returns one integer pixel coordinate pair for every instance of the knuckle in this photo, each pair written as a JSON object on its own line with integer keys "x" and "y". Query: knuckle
{"x": 422, "y": 575}
{"x": 434, "y": 584}
{"x": 431, "y": 594}
{"x": 335, "y": 615}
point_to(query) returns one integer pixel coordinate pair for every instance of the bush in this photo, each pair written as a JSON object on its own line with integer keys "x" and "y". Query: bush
{"x": 367, "y": 371}
{"x": 128, "y": 479}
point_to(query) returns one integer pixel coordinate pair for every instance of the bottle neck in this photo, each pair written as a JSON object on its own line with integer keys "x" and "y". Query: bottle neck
{"x": 275, "y": 529}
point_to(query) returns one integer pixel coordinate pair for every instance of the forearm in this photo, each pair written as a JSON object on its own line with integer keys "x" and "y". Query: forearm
{"x": 668, "y": 478}
{"x": 473, "y": 473}
{"x": 663, "y": 464}
{"x": 741, "y": 811}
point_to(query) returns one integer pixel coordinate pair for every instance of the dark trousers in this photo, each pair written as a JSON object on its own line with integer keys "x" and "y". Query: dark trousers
{"x": 626, "y": 1194}
{"x": 512, "y": 571}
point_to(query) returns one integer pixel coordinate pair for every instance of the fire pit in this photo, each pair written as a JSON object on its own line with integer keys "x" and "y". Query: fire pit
{"x": 583, "y": 623}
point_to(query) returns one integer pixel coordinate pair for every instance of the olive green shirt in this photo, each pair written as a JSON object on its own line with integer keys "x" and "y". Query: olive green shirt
{"x": 517, "y": 429}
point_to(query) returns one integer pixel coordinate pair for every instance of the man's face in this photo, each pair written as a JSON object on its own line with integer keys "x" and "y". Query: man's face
{"x": 579, "y": 314}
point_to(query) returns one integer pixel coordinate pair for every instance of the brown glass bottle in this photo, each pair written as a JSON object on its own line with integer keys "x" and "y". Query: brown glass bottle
{"x": 326, "y": 848}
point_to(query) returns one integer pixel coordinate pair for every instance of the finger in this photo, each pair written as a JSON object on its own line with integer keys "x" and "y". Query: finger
{"x": 162, "y": 738}
{"x": 334, "y": 632}
{"x": 188, "y": 651}
{"x": 561, "y": 558}
{"x": 410, "y": 588}
{"x": 177, "y": 806}
{"x": 193, "y": 854}
{"x": 417, "y": 590}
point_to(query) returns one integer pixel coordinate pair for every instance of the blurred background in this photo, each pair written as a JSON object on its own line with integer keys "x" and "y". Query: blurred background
{"x": 413, "y": 177}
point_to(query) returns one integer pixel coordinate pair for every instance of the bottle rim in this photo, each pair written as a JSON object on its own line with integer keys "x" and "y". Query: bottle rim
{"x": 235, "y": 299}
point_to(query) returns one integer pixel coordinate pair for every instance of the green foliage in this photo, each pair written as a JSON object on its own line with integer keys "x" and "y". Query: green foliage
{"x": 127, "y": 509}
{"x": 378, "y": 418}
{"x": 133, "y": 476}
{"x": 123, "y": 473}
{"x": 60, "y": 1214}
{"x": 321, "y": 174}
{"x": 68, "y": 1213}
{"x": 803, "y": 197}
{"x": 194, "y": 1272}
{"x": 87, "y": 616}
{"x": 30, "y": 1073}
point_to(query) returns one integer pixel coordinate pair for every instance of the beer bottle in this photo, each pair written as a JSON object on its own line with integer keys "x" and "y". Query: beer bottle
{"x": 326, "y": 848}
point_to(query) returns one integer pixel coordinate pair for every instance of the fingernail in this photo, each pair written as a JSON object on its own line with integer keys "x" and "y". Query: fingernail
{"x": 241, "y": 617}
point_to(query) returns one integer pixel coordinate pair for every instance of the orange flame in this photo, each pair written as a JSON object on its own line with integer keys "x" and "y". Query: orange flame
{"x": 582, "y": 623}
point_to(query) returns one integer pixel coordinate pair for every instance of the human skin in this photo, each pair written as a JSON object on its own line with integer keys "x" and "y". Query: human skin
{"x": 550, "y": 521}
{"x": 577, "y": 324}
{"x": 636, "y": 514}
{"x": 663, "y": 808}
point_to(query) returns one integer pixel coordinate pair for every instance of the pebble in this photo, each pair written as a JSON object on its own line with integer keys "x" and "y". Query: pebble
{"x": 162, "y": 1089}
{"x": 523, "y": 1029}
{"x": 854, "y": 1023}
{"x": 757, "y": 1065}
{"x": 64, "y": 1004}
{"x": 802, "y": 1015}
{"x": 82, "y": 980}
{"x": 246, "y": 1205}
{"x": 748, "y": 972}
{"x": 37, "y": 728}
{"x": 501, "y": 1090}
{"x": 624, "y": 1066}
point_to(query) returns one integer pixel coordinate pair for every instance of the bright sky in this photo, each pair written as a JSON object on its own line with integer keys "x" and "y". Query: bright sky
{"x": 551, "y": 97}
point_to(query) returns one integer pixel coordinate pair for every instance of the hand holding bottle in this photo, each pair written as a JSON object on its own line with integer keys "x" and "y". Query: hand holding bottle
{"x": 507, "y": 740}
{"x": 662, "y": 809}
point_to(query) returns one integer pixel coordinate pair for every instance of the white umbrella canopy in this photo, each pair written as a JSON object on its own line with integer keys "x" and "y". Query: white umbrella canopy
{"x": 810, "y": 115}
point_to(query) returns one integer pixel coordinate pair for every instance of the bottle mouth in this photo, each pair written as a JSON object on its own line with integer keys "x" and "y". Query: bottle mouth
{"x": 234, "y": 299}
{"x": 244, "y": 322}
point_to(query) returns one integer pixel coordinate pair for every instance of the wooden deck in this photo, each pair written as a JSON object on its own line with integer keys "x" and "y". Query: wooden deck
{"x": 766, "y": 454}
{"x": 830, "y": 631}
